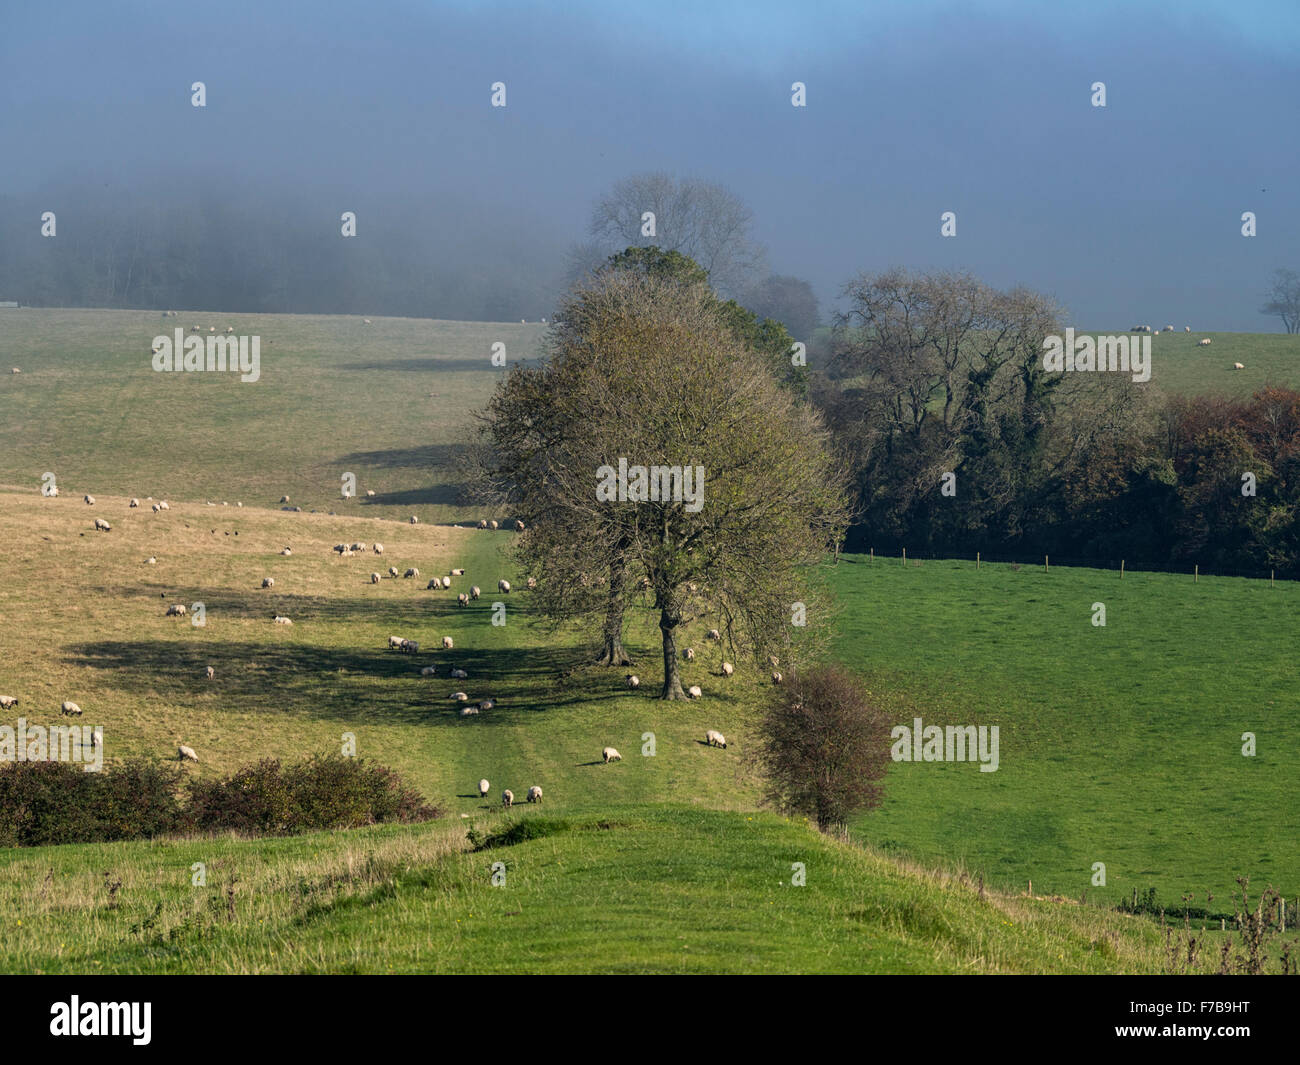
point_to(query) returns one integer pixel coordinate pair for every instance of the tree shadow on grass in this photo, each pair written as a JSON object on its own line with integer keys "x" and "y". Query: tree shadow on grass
{"x": 433, "y": 364}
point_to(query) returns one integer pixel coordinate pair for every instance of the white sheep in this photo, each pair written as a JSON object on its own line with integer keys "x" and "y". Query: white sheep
{"x": 415, "y": 520}
{"x": 695, "y": 692}
{"x": 1203, "y": 343}
{"x": 1235, "y": 366}
{"x": 482, "y": 524}
{"x": 268, "y": 582}
{"x": 483, "y": 788}
{"x": 378, "y": 549}
{"x": 532, "y": 583}
{"x": 284, "y": 499}
{"x": 152, "y": 560}
{"x": 458, "y": 697}
{"x": 6, "y": 701}
{"x": 176, "y": 610}
{"x": 714, "y": 738}
{"x": 229, "y": 329}
{"x": 633, "y": 681}
{"x": 486, "y": 704}
{"x": 468, "y": 711}
{"x": 462, "y": 599}
{"x": 503, "y": 585}
{"x": 211, "y": 672}
{"x": 1187, "y": 329}
{"x": 519, "y": 525}
{"x": 375, "y": 578}
{"x": 728, "y": 669}
{"x": 358, "y": 546}
{"x": 156, "y": 508}
{"x": 286, "y": 552}
{"x": 507, "y": 797}
{"x": 458, "y": 573}
{"x": 411, "y": 647}
{"x": 459, "y": 674}
{"x": 429, "y": 671}
{"x": 162, "y": 505}
{"x": 714, "y": 634}
{"x": 411, "y": 572}
{"x": 102, "y": 526}
{"x": 392, "y": 571}
{"x": 184, "y": 753}
{"x": 446, "y": 582}
{"x": 475, "y": 592}
{"x": 446, "y": 642}
{"x": 776, "y": 677}
{"x": 370, "y": 493}
{"x": 281, "y": 620}
{"x": 90, "y": 500}
{"x": 434, "y": 582}
{"x": 69, "y": 707}
{"x": 689, "y": 654}
{"x": 534, "y": 794}
{"x": 134, "y": 502}
{"x": 15, "y": 370}
{"x": 773, "y": 661}
{"x": 609, "y": 754}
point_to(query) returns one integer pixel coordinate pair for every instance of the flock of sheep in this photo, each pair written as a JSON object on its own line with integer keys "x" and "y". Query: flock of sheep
{"x": 1203, "y": 343}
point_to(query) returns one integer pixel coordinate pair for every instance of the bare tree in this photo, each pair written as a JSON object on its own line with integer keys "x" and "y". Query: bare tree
{"x": 699, "y": 219}
{"x": 1283, "y": 299}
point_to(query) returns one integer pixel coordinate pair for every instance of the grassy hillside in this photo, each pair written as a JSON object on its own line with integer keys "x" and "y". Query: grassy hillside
{"x": 636, "y": 889}
{"x": 1119, "y": 744}
{"x": 1180, "y": 365}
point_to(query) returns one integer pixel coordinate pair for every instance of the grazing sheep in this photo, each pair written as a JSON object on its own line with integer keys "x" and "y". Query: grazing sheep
{"x": 415, "y": 520}
{"x": 458, "y": 573}
{"x": 466, "y": 711}
{"x": 152, "y": 560}
{"x": 459, "y": 674}
{"x": 411, "y": 647}
{"x": 90, "y": 500}
{"x": 162, "y": 505}
{"x": 507, "y": 797}
{"x": 358, "y": 546}
{"x": 728, "y": 669}
{"x": 633, "y": 681}
{"x": 1187, "y": 329}
{"x": 392, "y": 571}
{"x": 776, "y": 677}
{"x": 156, "y": 508}
{"x": 375, "y": 578}
{"x": 15, "y": 370}
{"x": 493, "y": 525}
{"x": 486, "y": 704}
{"x": 519, "y": 525}
{"x": 1169, "y": 329}
{"x": 714, "y": 738}
{"x": 54, "y": 488}
{"x": 281, "y": 620}
{"x": 69, "y": 707}
{"x": 211, "y": 672}
{"x": 435, "y": 582}
{"x": 446, "y": 642}
{"x": 429, "y": 671}
{"x": 284, "y": 499}
{"x": 6, "y": 701}
{"x": 394, "y": 642}
{"x": 475, "y": 592}
{"x": 462, "y": 599}
{"x": 268, "y": 582}
{"x": 1203, "y": 343}
{"x": 772, "y": 661}
{"x": 534, "y": 794}
{"x": 378, "y": 549}
{"x": 1235, "y": 366}
{"x": 446, "y": 582}
{"x": 482, "y": 524}
{"x": 184, "y": 754}
{"x": 714, "y": 634}
{"x": 609, "y": 754}
{"x": 483, "y": 788}
{"x": 229, "y": 329}
{"x": 176, "y": 610}
{"x": 370, "y": 493}
{"x": 689, "y": 654}
{"x": 532, "y": 583}
{"x": 339, "y": 548}
{"x": 134, "y": 502}
{"x": 503, "y": 586}
{"x": 102, "y": 525}
{"x": 458, "y": 697}
{"x": 695, "y": 692}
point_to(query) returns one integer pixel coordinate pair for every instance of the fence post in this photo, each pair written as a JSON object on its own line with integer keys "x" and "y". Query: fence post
{"x": 977, "y": 560}
{"x": 873, "y": 554}
{"x": 1121, "y": 569}
{"x": 904, "y": 556}
{"x": 1196, "y": 578}
{"x": 1046, "y": 568}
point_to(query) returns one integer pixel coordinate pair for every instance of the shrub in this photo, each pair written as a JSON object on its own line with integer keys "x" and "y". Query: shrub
{"x": 45, "y": 803}
{"x": 824, "y": 747}
{"x": 136, "y": 800}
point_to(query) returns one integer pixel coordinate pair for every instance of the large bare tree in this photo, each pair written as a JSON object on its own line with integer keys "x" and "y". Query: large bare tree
{"x": 1283, "y": 299}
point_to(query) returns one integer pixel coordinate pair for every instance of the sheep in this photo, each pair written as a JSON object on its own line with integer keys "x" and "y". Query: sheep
{"x": 6, "y": 701}
{"x": 532, "y": 583}
{"x": 457, "y": 573}
{"x": 69, "y": 707}
{"x": 268, "y": 582}
{"x": 152, "y": 560}
{"x": 392, "y": 571}
{"x": 176, "y": 610}
{"x": 689, "y": 654}
{"x": 281, "y": 620}
{"x": 415, "y": 520}
{"x": 340, "y": 549}
{"x": 695, "y": 692}
{"x": 1169, "y": 329}
{"x": 429, "y": 671}
{"x": 90, "y": 500}
{"x": 375, "y": 578}
{"x": 212, "y": 329}
{"x": 507, "y": 797}
{"x": 284, "y": 499}
{"x": 370, "y": 493}
{"x": 195, "y": 329}
{"x": 462, "y": 599}
{"x": 378, "y": 549}
{"x": 1187, "y": 329}
{"x": 714, "y": 738}
{"x": 358, "y": 546}
{"x": 503, "y": 585}
{"x": 459, "y": 674}
{"x": 486, "y": 704}
{"x": 411, "y": 647}
{"x": 446, "y": 582}
{"x": 134, "y": 502}
{"x": 102, "y": 526}
{"x": 162, "y": 505}
{"x": 468, "y": 711}
{"x": 493, "y": 525}
{"x": 633, "y": 681}
{"x": 714, "y": 634}
{"x": 229, "y": 329}
{"x": 211, "y": 672}
{"x": 15, "y": 370}
{"x": 773, "y": 661}
{"x": 483, "y": 788}
{"x": 1235, "y": 366}
{"x": 728, "y": 669}
{"x": 534, "y": 794}
{"x": 776, "y": 677}
{"x": 482, "y": 524}
{"x": 475, "y": 592}
{"x": 519, "y": 525}
{"x": 156, "y": 508}
{"x": 458, "y": 697}
{"x": 446, "y": 642}
{"x": 54, "y": 488}
{"x": 184, "y": 753}
{"x": 1203, "y": 343}
{"x": 609, "y": 754}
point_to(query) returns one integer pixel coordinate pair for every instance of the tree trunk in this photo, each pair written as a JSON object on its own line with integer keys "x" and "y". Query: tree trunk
{"x": 612, "y": 632}
{"x": 672, "y": 673}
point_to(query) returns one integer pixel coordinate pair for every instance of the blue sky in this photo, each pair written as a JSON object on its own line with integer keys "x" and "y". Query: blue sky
{"x": 1125, "y": 214}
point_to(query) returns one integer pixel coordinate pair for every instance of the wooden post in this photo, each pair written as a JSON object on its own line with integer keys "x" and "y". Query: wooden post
{"x": 1281, "y": 913}
{"x": 977, "y": 560}
{"x": 873, "y": 554}
{"x": 1197, "y": 576}
{"x": 1046, "y": 568}
{"x": 1121, "y": 569}
{"x": 904, "y": 556}
{"x": 1223, "y": 924}
{"x": 1270, "y": 577}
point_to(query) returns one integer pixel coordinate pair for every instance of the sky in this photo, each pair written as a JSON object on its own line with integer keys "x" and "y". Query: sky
{"x": 1125, "y": 214}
